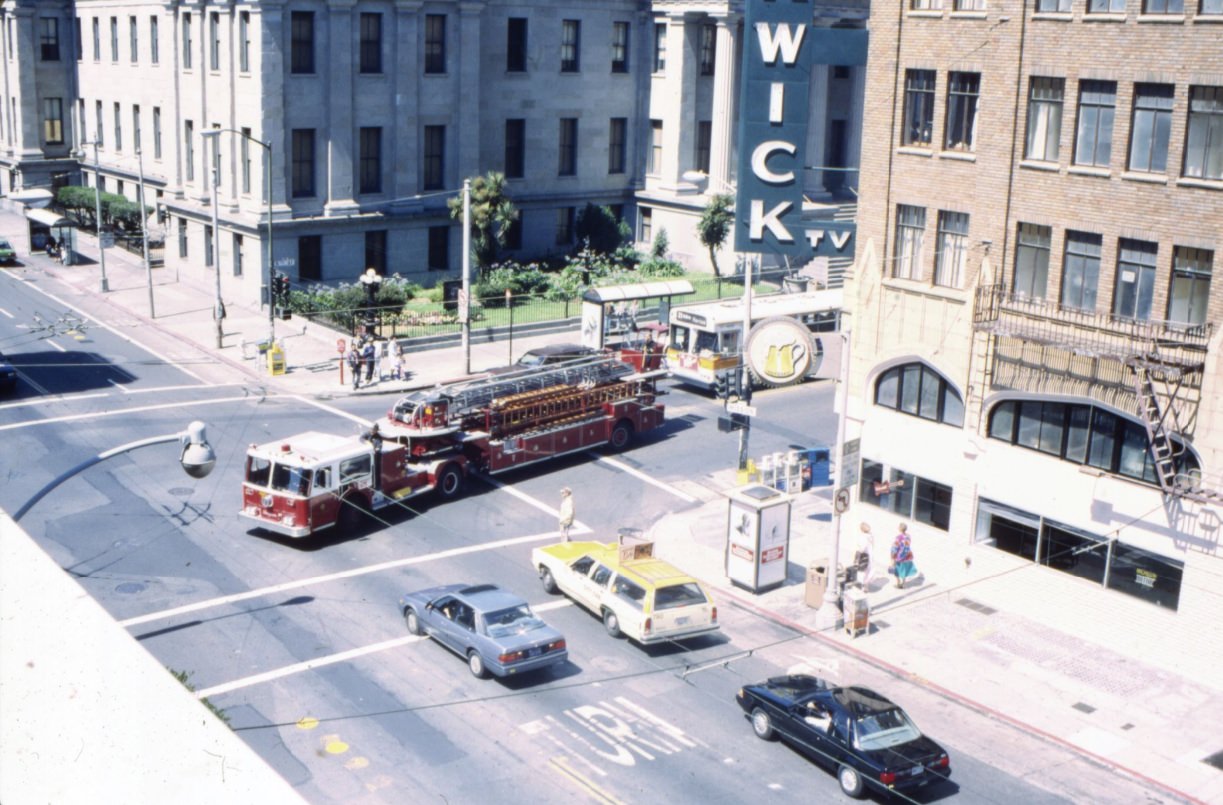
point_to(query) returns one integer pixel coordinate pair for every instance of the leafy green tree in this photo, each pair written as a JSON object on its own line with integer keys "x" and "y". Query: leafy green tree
{"x": 77, "y": 202}
{"x": 661, "y": 246}
{"x": 598, "y": 228}
{"x": 714, "y": 226}
{"x": 492, "y": 214}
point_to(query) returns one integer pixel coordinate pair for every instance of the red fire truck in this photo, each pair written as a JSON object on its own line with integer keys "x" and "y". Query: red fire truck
{"x": 433, "y": 439}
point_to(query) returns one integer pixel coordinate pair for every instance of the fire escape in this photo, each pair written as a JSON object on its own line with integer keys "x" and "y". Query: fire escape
{"x": 1153, "y": 368}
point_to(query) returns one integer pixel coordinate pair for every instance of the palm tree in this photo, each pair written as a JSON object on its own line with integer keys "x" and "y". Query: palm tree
{"x": 492, "y": 214}
{"x": 714, "y": 226}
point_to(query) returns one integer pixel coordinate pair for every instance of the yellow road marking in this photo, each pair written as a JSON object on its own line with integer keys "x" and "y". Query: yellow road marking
{"x": 307, "y": 723}
{"x": 561, "y": 764}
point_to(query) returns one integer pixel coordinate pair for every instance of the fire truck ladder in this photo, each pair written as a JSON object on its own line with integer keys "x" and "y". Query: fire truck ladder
{"x": 469, "y": 396}
{"x": 554, "y": 406}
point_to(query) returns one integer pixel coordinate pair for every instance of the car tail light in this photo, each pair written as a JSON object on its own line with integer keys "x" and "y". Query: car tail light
{"x": 943, "y": 762}
{"x": 887, "y": 777}
{"x": 648, "y": 627}
{"x": 513, "y": 656}
{"x": 556, "y": 645}
{"x": 713, "y": 617}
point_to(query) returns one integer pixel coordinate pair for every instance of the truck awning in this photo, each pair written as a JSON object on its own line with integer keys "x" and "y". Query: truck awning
{"x": 640, "y": 290}
{"x": 48, "y": 218}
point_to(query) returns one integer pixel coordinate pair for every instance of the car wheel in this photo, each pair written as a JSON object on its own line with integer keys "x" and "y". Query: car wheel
{"x": 449, "y": 482}
{"x": 621, "y": 435}
{"x": 476, "y": 664}
{"x": 762, "y": 725}
{"x": 611, "y": 623}
{"x": 851, "y": 781}
{"x": 549, "y": 583}
{"x": 413, "y": 622}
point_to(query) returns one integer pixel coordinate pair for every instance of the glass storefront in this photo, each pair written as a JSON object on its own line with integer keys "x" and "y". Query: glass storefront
{"x": 908, "y": 495}
{"x": 1112, "y": 564}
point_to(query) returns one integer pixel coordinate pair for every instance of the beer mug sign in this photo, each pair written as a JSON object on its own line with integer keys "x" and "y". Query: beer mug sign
{"x": 781, "y": 351}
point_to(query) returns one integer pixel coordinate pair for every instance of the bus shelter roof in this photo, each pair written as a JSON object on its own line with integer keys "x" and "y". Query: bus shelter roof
{"x": 48, "y": 218}
{"x": 639, "y": 290}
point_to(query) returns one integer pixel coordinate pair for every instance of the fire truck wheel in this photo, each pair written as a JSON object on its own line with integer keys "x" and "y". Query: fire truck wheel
{"x": 545, "y": 577}
{"x": 621, "y": 435}
{"x": 449, "y": 482}
{"x": 413, "y": 622}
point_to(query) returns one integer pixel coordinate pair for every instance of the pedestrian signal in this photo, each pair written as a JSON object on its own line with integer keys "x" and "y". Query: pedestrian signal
{"x": 721, "y": 386}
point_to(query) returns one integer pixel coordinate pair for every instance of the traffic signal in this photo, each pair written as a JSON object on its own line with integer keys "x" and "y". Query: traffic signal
{"x": 721, "y": 386}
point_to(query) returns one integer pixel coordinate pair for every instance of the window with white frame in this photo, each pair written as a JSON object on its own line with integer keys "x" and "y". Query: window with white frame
{"x": 926, "y": 5}
{"x": 156, "y": 132}
{"x": 133, "y": 37}
{"x": 154, "y": 44}
{"x": 1209, "y": 7}
{"x": 709, "y": 48}
{"x": 963, "y": 92}
{"x": 97, "y": 125}
{"x": 118, "y": 121}
{"x": 1135, "y": 279}
{"x": 571, "y": 46}
{"x": 1189, "y": 293}
{"x": 189, "y": 149}
{"x": 371, "y": 43}
{"x": 245, "y": 157}
{"x": 910, "y": 230}
{"x": 114, "y": 39}
{"x": 302, "y": 178}
{"x": 214, "y": 41}
{"x": 969, "y": 5}
{"x": 1094, "y": 138}
{"x": 244, "y": 41}
{"x": 370, "y": 179}
{"x": 187, "y": 45}
{"x": 918, "y": 390}
{"x": 567, "y": 141}
{"x": 53, "y": 121}
{"x": 1163, "y": 6}
{"x": 704, "y": 144}
{"x": 1204, "y": 139}
{"x": 919, "y": 107}
{"x": 97, "y": 40}
{"x": 1045, "y": 99}
{"x": 952, "y": 258}
{"x": 1152, "y": 127}
{"x": 660, "y": 47}
{"x": 435, "y": 43}
{"x": 434, "y": 168}
{"x": 620, "y": 47}
{"x": 1052, "y": 6}
{"x": 136, "y": 133}
{"x": 48, "y": 38}
{"x": 617, "y": 145}
{"x": 1032, "y": 261}
{"x": 1105, "y": 6}
{"x": 1081, "y": 271}
{"x": 655, "y": 165}
{"x": 301, "y": 42}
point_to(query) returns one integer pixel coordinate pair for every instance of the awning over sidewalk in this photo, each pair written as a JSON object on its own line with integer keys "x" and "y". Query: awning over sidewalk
{"x": 640, "y": 290}
{"x": 48, "y": 218}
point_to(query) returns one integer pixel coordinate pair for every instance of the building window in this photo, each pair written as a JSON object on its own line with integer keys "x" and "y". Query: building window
{"x": 156, "y": 132}
{"x": 1163, "y": 6}
{"x": 245, "y": 157}
{"x": 516, "y": 45}
{"x": 434, "y": 157}
{"x": 910, "y": 231}
{"x": 918, "y": 390}
{"x": 244, "y": 41}
{"x": 182, "y": 238}
{"x": 375, "y": 251}
{"x": 655, "y": 165}
{"x": 963, "y": 90}
{"x": 237, "y": 246}
{"x": 133, "y": 40}
{"x": 1210, "y": 7}
{"x": 567, "y": 165}
{"x": 136, "y": 133}
{"x": 214, "y": 41}
{"x": 1045, "y": 98}
{"x": 1105, "y": 6}
{"x": 515, "y": 147}
{"x": 371, "y": 43}
{"x": 926, "y": 5}
{"x": 303, "y": 163}
{"x": 189, "y": 149}
{"x": 187, "y": 46}
{"x": 1135, "y": 279}
{"x": 708, "y": 49}
{"x": 704, "y": 143}
{"x": 114, "y": 39}
{"x": 647, "y": 224}
{"x": 154, "y": 46}
{"x": 564, "y": 226}
{"x": 952, "y": 257}
{"x": 905, "y": 494}
{"x": 371, "y": 159}
{"x": 77, "y": 41}
{"x": 1190, "y": 291}
{"x": 513, "y": 235}
{"x": 1094, "y": 139}
{"x": 969, "y": 5}
{"x": 1032, "y": 261}
{"x": 619, "y": 48}
{"x": 571, "y": 46}
{"x": 98, "y": 128}
{"x": 1204, "y": 141}
{"x": 118, "y": 121}
{"x": 660, "y": 47}
{"x": 1081, "y": 271}
{"x": 435, "y": 43}
{"x": 53, "y": 121}
{"x": 208, "y": 255}
{"x": 617, "y": 145}
{"x": 48, "y": 38}
{"x": 1083, "y": 434}
{"x": 301, "y": 51}
{"x": 97, "y": 41}
{"x": 439, "y": 248}
{"x": 1151, "y": 128}
{"x": 919, "y": 107}
{"x": 310, "y": 257}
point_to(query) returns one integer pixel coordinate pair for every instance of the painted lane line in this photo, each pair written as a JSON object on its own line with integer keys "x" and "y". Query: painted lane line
{"x": 344, "y": 574}
{"x": 620, "y": 465}
{"x": 54, "y": 398}
{"x": 127, "y": 411}
{"x": 111, "y": 380}
{"x": 329, "y": 409}
{"x": 332, "y": 659}
{"x": 578, "y": 526}
{"x": 5, "y": 312}
{"x": 57, "y": 346}
{"x": 180, "y": 388}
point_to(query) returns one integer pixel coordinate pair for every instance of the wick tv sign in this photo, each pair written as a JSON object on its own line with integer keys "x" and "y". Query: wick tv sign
{"x": 774, "y": 109}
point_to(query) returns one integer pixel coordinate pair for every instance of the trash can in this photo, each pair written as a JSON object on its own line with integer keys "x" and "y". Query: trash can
{"x": 276, "y": 361}
{"x": 817, "y": 583}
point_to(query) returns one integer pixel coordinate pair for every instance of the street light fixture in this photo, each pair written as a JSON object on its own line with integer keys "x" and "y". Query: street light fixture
{"x": 267, "y": 192}
{"x": 196, "y": 457}
{"x": 97, "y": 211}
{"x": 144, "y": 232}
{"x": 218, "y": 311}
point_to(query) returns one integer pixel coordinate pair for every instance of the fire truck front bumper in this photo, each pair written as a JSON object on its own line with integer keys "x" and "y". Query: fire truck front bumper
{"x": 276, "y": 526}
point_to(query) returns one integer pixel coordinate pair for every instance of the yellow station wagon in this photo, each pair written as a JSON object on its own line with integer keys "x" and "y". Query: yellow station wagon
{"x": 635, "y": 594}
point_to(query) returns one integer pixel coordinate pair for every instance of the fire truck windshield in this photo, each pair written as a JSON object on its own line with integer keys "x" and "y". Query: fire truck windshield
{"x": 294, "y": 480}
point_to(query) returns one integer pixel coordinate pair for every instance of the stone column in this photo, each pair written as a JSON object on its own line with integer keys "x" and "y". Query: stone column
{"x": 725, "y": 97}
{"x": 468, "y": 102}
{"x": 406, "y": 68}
{"x": 268, "y": 18}
{"x": 27, "y": 139}
{"x": 341, "y": 125}
{"x": 679, "y": 127}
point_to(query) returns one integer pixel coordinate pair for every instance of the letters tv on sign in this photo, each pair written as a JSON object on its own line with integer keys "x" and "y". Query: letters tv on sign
{"x": 780, "y": 47}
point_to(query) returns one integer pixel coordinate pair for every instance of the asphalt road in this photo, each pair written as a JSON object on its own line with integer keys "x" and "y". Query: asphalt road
{"x": 301, "y": 644}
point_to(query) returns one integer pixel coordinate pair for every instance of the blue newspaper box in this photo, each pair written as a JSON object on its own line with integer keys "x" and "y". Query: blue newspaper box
{"x": 817, "y": 471}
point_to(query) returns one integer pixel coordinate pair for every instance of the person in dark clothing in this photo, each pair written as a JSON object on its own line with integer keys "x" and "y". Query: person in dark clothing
{"x": 368, "y": 356}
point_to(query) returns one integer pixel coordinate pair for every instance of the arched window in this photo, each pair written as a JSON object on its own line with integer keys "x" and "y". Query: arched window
{"x": 914, "y": 388}
{"x": 1084, "y": 434}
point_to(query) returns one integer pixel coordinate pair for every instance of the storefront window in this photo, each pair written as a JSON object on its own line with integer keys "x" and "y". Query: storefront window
{"x": 1074, "y": 552}
{"x": 932, "y": 504}
{"x": 908, "y": 495}
{"x": 1145, "y": 575}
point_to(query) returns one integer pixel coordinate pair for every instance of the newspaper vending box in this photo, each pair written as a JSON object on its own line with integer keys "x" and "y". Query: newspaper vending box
{"x": 757, "y": 537}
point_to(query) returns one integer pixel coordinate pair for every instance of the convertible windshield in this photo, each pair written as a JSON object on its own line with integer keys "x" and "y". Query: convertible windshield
{"x": 511, "y": 621}
{"x": 883, "y": 730}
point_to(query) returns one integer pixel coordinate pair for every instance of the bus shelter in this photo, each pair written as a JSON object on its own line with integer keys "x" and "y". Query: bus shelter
{"x": 615, "y": 312}
{"x": 46, "y": 226}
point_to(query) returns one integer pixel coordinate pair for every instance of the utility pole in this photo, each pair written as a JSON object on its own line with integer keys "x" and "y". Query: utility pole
{"x": 97, "y": 212}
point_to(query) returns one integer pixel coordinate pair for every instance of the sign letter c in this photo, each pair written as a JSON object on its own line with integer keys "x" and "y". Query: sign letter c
{"x": 760, "y": 160}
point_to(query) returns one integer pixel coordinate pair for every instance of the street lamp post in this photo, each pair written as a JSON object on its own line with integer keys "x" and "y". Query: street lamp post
{"x": 144, "y": 232}
{"x": 197, "y": 458}
{"x": 465, "y": 302}
{"x": 218, "y": 312}
{"x": 97, "y": 211}
{"x": 829, "y": 616}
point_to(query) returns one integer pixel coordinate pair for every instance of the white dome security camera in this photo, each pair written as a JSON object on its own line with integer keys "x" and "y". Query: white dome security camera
{"x": 198, "y": 457}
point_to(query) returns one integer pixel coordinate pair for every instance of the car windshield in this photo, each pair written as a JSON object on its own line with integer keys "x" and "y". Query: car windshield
{"x": 511, "y": 621}
{"x": 531, "y": 359}
{"x": 883, "y": 730}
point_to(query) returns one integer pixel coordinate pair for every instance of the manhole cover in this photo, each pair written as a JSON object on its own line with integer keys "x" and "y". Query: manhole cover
{"x": 181, "y": 492}
{"x": 130, "y": 587}
{"x": 1083, "y": 707}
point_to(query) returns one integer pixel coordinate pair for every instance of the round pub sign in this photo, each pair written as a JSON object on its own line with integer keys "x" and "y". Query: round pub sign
{"x": 781, "y": 351}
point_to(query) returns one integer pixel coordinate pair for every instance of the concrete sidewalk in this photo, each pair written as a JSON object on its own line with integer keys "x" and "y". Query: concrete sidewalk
{"x": 1032, "y": 646}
